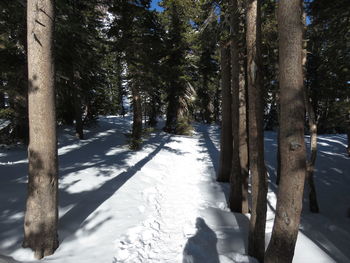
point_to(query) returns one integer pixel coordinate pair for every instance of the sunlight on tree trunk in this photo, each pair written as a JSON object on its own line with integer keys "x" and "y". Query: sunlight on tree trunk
{"x": 41, "y": 217}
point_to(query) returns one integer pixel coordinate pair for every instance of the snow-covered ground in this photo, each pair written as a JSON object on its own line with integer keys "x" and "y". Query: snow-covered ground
{"x": 162, "y": 204}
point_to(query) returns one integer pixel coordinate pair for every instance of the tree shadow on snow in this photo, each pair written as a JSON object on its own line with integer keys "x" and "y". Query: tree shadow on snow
{"x": 73, "y": 219}
{"x": 104, "y": 149}
{"x": 330, "y": 229}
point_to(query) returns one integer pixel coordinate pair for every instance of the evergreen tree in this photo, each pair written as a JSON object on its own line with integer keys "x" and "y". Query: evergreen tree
{"x": 293, "y": 154}
{"x": 256, "y": 247}
{"x": 41, "y": 217}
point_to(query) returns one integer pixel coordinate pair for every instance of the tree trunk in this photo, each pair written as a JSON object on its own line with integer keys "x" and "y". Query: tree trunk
{"x": 172, "y": 110}
{"x": 236, "y": 178}
{"x": 310, "y": 164}
{"x": 79, "y": 132}
{"x": 153, "y": 111}
{"x": 256, "y": 245}
{"x": 217, "y": 103}
{"x": 137, "y": 117}
{"x": 2, "y": 100}
{"x": 224, "y": 172}
{"x": 243, "y": 135}
{"x": 41, "y": 217}
{"x": 293, "y": 154}
{"x": 349, "y": 140}
{"x": 314, "y": 208}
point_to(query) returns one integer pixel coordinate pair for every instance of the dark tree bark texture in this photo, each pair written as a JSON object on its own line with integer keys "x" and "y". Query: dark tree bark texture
{"x": 235, "y": 200}
{"x": 293, "y": 153}
{"x": 256, "y": 239}
{"x": 226, "y": 142}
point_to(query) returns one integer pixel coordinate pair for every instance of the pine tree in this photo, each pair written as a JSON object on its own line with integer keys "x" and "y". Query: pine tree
{"x": 256, "y": 246}
{"x": 41, "y": 217}
{"x": 293, "y": 154}
{"x": 236, "y": 178}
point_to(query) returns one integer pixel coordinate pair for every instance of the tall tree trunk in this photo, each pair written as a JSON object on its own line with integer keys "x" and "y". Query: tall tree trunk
{"x": 293, "y": 154}
{"x": 349, "y": 139}
{"x": 79, "y": 132}
{"x": 243, "y": 133}
{"x": 256, "y": 245}
{"x": 314, "y": 208}
{"x": 172, "y": 110}
{"x": 207, "y": 105}
{"x": 41, "y": 217}
{"x": 153, "y": 111}
{"x": 236, "y": 178}
{"x": 310, "y": 164}
{"x": 226, "y": 142}
{"x": 216, "y": 103}
{"x": 137, "y": 117}
{"x": 2, "y": 100}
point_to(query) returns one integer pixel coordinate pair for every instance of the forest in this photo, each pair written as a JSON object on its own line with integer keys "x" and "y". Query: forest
{"x": 193, "y": 131}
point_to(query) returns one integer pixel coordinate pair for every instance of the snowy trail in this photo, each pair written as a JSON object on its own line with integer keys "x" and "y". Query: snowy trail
{"x": 160, "y": 204}
{"x": 173, "y": 203}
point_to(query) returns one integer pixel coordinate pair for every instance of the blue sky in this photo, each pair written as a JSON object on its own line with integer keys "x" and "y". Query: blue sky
{"x": 154, "y": 5}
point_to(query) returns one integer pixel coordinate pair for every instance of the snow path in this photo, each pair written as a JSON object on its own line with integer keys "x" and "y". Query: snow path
{"x": 162, "y": 204}
{"x": 173, "y": 206}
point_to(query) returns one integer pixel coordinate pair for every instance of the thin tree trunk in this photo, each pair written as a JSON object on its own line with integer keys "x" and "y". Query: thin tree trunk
{"x": 172, "y": 110}
{"x": 41, "y": 217}
{"x": 243, "y": 135}
{"x": 314, "y": 208}
{"x": 2, "y": 100}
{"x": 256, "y": 239}
{"x": 79, "y": 132}
{"x": 349, "y": 140}
{"x": 217, "y": 103}
{"x": 236, "y": 178}
{"x": 224, "y": 172}
{"x": 293, "y": 154}
{"x": 310, "y": 164}
{"x": 152, "y": 122}
{"x": 137, "y": 117}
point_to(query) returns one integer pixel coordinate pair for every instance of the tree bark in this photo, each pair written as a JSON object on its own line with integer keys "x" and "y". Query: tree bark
{"x": 137, "y": 117}
{"x": 349, "y": 140}
{"x": 314, "y": 208}
{"x": 2, "y": 100}
{"x": 243, "y": 134}
{"x": 79, "y": 131}
{"x": 226, "y": 142}
{"x": 41, "y": 217}
{"x": 293, "y": 154}
{"x": 256, "y": 239}
{"x": 236, "y": 178}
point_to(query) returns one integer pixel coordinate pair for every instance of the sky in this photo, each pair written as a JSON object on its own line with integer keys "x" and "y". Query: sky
{"x": 155, "y": 6}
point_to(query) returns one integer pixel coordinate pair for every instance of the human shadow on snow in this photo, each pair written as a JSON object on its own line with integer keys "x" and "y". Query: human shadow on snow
{"x": 202, "y": 246}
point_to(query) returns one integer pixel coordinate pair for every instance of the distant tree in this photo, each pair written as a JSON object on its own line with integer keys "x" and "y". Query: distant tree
{"x": 13, "y": 69}
{"x": 226, "y": 143}
{"x": 243, "y": 109}
{"x": 310, "y": 164}
{"x": 256, "y": 245}
{"x": 293, "y": 153}
{"x": 41, "y": 217}
{"x": 226, "y": 139}
{"x": 179, "y": 90}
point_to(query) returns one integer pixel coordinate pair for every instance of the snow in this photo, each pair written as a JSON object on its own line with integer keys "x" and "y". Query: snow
{"x": 162, "y": 204}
